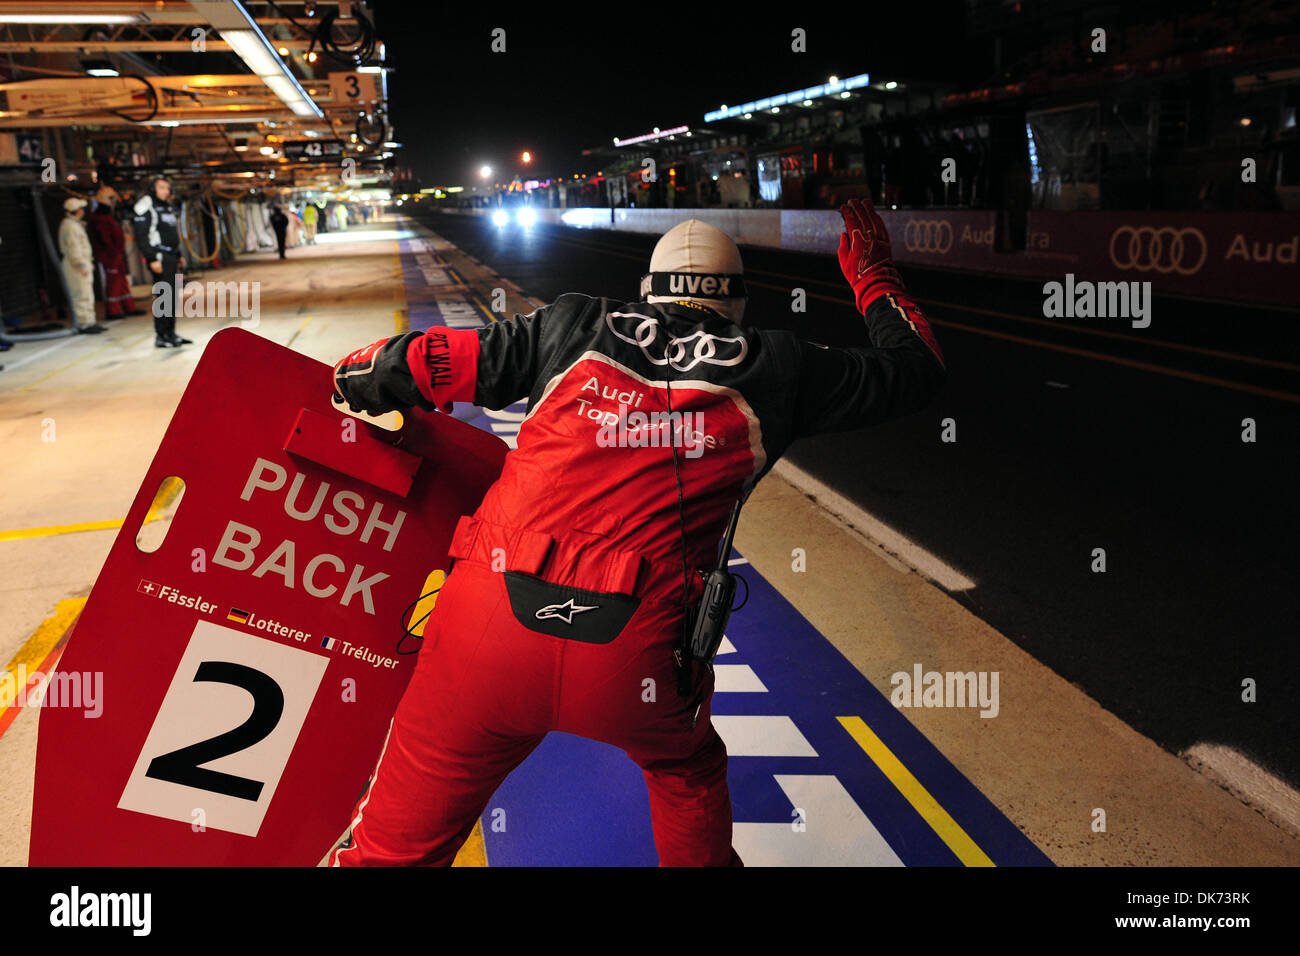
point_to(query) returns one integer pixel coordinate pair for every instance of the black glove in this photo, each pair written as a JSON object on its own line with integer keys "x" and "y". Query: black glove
{"x": 377, "y": 378}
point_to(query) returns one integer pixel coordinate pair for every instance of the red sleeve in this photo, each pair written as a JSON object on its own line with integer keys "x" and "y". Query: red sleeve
{"x": 444, "y": 364}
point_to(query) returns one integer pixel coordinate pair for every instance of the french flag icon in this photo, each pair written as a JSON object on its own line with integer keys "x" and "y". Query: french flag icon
{"x": 328, "y": 643}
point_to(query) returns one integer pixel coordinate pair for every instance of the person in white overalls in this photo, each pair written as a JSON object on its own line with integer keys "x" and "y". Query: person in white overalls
{"x": 78, "y": 266}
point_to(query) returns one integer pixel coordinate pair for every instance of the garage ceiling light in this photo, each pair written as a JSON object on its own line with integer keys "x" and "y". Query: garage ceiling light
{"x": 241, "y": 31}
{"x": 73, "y": 18}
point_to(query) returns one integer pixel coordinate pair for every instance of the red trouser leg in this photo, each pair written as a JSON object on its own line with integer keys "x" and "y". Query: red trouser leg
{"x": 464, "y": 722}
{"x": 690, "y": 806}
{"x": 486, "y": 690}
{"x": 117, "y": 292}
{"x": 625, "y": 694}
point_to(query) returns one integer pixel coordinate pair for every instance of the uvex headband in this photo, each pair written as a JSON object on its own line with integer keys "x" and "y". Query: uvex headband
{"x": 699, "y": 285}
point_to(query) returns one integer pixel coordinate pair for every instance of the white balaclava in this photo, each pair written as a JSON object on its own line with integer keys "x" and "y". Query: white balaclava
{"x": 696, "y": 262}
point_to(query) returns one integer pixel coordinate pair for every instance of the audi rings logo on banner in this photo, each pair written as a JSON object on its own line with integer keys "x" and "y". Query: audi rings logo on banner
{"x": 1164, "y": 249}
{"x": 927, "y": 235}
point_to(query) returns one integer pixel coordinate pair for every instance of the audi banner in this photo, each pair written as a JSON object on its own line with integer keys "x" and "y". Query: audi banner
{"x": 956, "y": 238}
{"x": 1247, "y": 256}
{"x": 1251, "y": 257}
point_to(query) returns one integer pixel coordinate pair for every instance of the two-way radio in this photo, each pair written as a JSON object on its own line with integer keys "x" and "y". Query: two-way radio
{"x": 715, "y": 607}
{"x": 704, "y": 626}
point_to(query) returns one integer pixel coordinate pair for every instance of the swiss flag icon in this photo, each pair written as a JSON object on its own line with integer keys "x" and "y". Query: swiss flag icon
{"x": 148, "y": 587}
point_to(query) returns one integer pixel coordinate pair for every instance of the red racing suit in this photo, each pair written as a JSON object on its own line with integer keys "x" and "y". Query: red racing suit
{"x": 566, "y": 599}
{"x": 109, "y": 243}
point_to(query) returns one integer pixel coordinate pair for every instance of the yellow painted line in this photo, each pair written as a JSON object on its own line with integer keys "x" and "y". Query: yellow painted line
{"x": 474, "y": 850}
{"x": 51, "y": 530}
{"x": 43, "y": 640}
{"x": 476, "y": 298}
{"x": 401, "y": 322}
{"x": 125, "y": 344}
{"x": 936, "y": 816}
{"x": 166, "y": 494}
{"x": 305, "y": 322}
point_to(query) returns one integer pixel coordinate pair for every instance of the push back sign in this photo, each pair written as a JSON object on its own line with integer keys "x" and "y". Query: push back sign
{"x": 251, "y": 661}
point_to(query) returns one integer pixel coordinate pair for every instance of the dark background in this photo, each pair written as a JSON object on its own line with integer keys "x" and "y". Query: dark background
{"x": 577, "y": 78}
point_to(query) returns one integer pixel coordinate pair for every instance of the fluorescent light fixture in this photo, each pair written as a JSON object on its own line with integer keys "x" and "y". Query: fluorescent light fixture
{"x": 657, "y": 134}
{"x": 102, "y": 71}
{"x": 835, "y": 86}
{"x": 253, "y": 48}
{"x": 241, "y": 118}
{"x": 254, "y": 51}
{"x": 73, "y": 18}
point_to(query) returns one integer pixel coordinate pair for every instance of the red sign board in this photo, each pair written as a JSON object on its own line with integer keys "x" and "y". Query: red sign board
{"x": 249, "y": 666}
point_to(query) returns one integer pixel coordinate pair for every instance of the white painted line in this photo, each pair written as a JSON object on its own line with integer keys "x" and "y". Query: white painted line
{"x": 735, "y": 561}
{"x": 750, "y": 736}
{"x": 835, "y": 831}
{"x": 885, "y": 539}
{"x": 505, "y": 414}
{"x": 10, "y": 366}
{"x": 726, "y": 647}
{"x": 1248, "y": 782}
{"x": 736, "y": 679}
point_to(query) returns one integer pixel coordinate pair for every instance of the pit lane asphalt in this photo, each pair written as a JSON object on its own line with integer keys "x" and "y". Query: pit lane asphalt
{"x": 1059, "y": 452}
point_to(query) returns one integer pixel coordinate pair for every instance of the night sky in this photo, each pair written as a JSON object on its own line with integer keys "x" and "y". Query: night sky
{"x": 578, "y": 78}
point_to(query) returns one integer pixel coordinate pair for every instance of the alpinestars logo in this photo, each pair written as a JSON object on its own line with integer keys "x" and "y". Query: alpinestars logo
{"x": 564, "y": 612}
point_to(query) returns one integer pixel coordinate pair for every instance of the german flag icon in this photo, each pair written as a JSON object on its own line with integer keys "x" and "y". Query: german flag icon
{"x": 237, "y": 615}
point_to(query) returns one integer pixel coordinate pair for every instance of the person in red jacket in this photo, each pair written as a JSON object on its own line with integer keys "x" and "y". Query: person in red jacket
{"x": 109, "y": 243}
{"x": 566, "y": 606}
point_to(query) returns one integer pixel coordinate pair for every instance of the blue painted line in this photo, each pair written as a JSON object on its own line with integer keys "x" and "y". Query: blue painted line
{"x": 581, "y": 802}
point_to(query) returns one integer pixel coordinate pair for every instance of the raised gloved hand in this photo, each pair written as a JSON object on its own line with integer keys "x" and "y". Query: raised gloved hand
{"x": 867, "y": 260}
{"x": 866, "y": 256}
{"x": 377, "y": 378}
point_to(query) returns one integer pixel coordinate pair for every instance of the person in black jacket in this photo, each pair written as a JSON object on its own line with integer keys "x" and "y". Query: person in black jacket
{"x": 158, "y": 237}
{"x": 647, "y": 421}
{"x": 280, "y": 223}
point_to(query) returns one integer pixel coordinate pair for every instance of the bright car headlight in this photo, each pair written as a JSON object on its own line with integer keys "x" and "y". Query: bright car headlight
{"x": 499, "y": 218}
{"x": 526, "y": 217}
